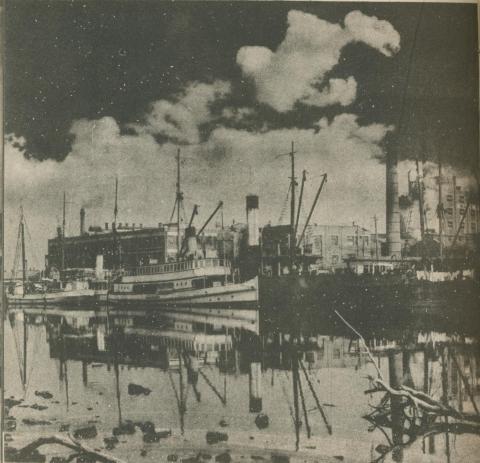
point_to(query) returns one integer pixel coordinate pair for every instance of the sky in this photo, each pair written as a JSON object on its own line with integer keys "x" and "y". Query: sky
{"x": 95, "y": 90}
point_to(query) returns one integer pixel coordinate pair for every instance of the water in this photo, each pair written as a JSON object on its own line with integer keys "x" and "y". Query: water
{"x": 203, "y": 372}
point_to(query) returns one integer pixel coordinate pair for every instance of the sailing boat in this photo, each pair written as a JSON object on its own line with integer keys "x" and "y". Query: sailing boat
{"x": 74, "y": 292}
{"x": 190, "y": 281}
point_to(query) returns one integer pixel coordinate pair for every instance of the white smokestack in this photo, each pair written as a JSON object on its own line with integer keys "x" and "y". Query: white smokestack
{"x": 99, "y": 267}
{"x": 252, "y": 220}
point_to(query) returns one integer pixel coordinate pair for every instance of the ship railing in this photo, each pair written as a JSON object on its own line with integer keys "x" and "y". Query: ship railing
{"x": 177, "y": 267}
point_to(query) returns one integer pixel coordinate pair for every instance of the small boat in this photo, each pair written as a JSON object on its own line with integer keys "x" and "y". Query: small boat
{"x": 24, "y": 293}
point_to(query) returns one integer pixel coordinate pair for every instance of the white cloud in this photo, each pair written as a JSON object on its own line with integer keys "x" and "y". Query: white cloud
{"x": 180, "y": 120}
{"x": 229, "y": 165}
{"x": 311, "y": 48}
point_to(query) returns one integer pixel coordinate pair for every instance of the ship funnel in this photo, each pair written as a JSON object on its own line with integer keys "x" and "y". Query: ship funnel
{"x": 82, "y": 221}
{"x": 191, "y": 238}
{"x": 252, "y": 220}
{"x": 394, "y": 244}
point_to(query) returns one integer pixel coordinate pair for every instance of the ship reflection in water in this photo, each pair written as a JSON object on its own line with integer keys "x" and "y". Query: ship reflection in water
{"x": 158, "y": 387}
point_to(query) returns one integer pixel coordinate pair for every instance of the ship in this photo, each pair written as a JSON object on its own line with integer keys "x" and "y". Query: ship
{"x": 380, "y": 287}
{"x": 189, "y": 282}
{"x": 76, "y": 291}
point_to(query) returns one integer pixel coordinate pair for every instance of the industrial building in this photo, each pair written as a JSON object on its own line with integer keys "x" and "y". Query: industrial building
{"x": 136, "y": 245}
{"x": 325, "y": 248}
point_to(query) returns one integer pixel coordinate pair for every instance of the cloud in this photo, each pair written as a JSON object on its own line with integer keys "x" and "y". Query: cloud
{"x": 238, "y": 161}
{"x": 181, "y": 120}
{"x": 312, "y": 47}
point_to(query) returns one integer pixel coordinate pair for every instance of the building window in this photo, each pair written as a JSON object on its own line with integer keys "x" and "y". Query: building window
{"x": 449, "y": 198}
{"x": 461, "y": 211}
{"x": 473, "y": 227}
{"x": 449, "y": 211}
{"x": 334, "y": 240}
{"x": 365, "y": 240}
{"x": 461, "y": 199}
{"x": 350, "y": 240}
{"x": 458, "y": 188}
{"x": 450, "y": 224}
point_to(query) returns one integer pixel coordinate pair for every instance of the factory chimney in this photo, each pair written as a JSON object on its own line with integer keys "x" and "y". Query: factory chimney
{"x": 252, "y": 220}
{"x": 394, "y": 244}
{"x": 82, "y": 221}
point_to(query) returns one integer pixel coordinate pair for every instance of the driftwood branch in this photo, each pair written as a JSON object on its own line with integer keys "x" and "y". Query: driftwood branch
{"x": 24, "y": 453}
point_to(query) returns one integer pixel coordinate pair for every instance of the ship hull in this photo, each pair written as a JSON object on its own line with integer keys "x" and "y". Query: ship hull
{"x": 232, "y": 296}
{"x": 371, "y": 301}
{"x": 66, "y": 299}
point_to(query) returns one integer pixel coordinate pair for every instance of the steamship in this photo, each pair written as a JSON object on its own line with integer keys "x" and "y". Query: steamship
{"x": 388, "y": 284}
{"x": 192, "y": 282}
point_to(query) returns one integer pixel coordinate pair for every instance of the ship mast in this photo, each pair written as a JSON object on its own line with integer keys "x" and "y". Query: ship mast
{"x": 292, "y": 209}
{"x": 24, "y": 260}
{"x": 63, "y": 231}
{"x": 179, "y": 198}
{"x": 440, "y": 209}
{"x": 114, "y": 227}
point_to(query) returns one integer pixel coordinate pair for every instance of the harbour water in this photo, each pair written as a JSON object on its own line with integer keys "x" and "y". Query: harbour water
{"x": 229, "y": 387}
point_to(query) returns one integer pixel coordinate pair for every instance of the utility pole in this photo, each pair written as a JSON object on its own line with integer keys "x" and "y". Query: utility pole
{"x": 293, "y": 243}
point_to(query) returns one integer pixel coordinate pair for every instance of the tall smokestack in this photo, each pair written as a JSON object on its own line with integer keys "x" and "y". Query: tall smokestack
{"x": 252, "y": 220}
{"x": 394, "y": 244}
{"x": 82, "y": 221}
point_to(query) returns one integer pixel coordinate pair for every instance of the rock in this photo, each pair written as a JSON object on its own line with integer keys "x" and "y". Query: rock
{"x": 146, "y": 427}
{"x": 150, "y": 437}
{"x": 38, "y": 407}
{"x": 33, "y": 422}
{"x": 44, "y": 394}
{"x": 12, "y": 454}
{"x": 172, "y": 457}
{"x": 110, "y": 442}
{"x": 262, "y": 421}
{"x": 280, "y": 458}
{"x": 136, "y": 389}
{"x": 224, "y": 457}
{"x": 89, "y": 432}
{"x": 11, "y": 424}
{"x": 190, "y": 460}
{"x": 10, "y": 403}
{"x": 86, "y": 459}
{"x": 125, "y": 428}
{"x": 214, "y": 437}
